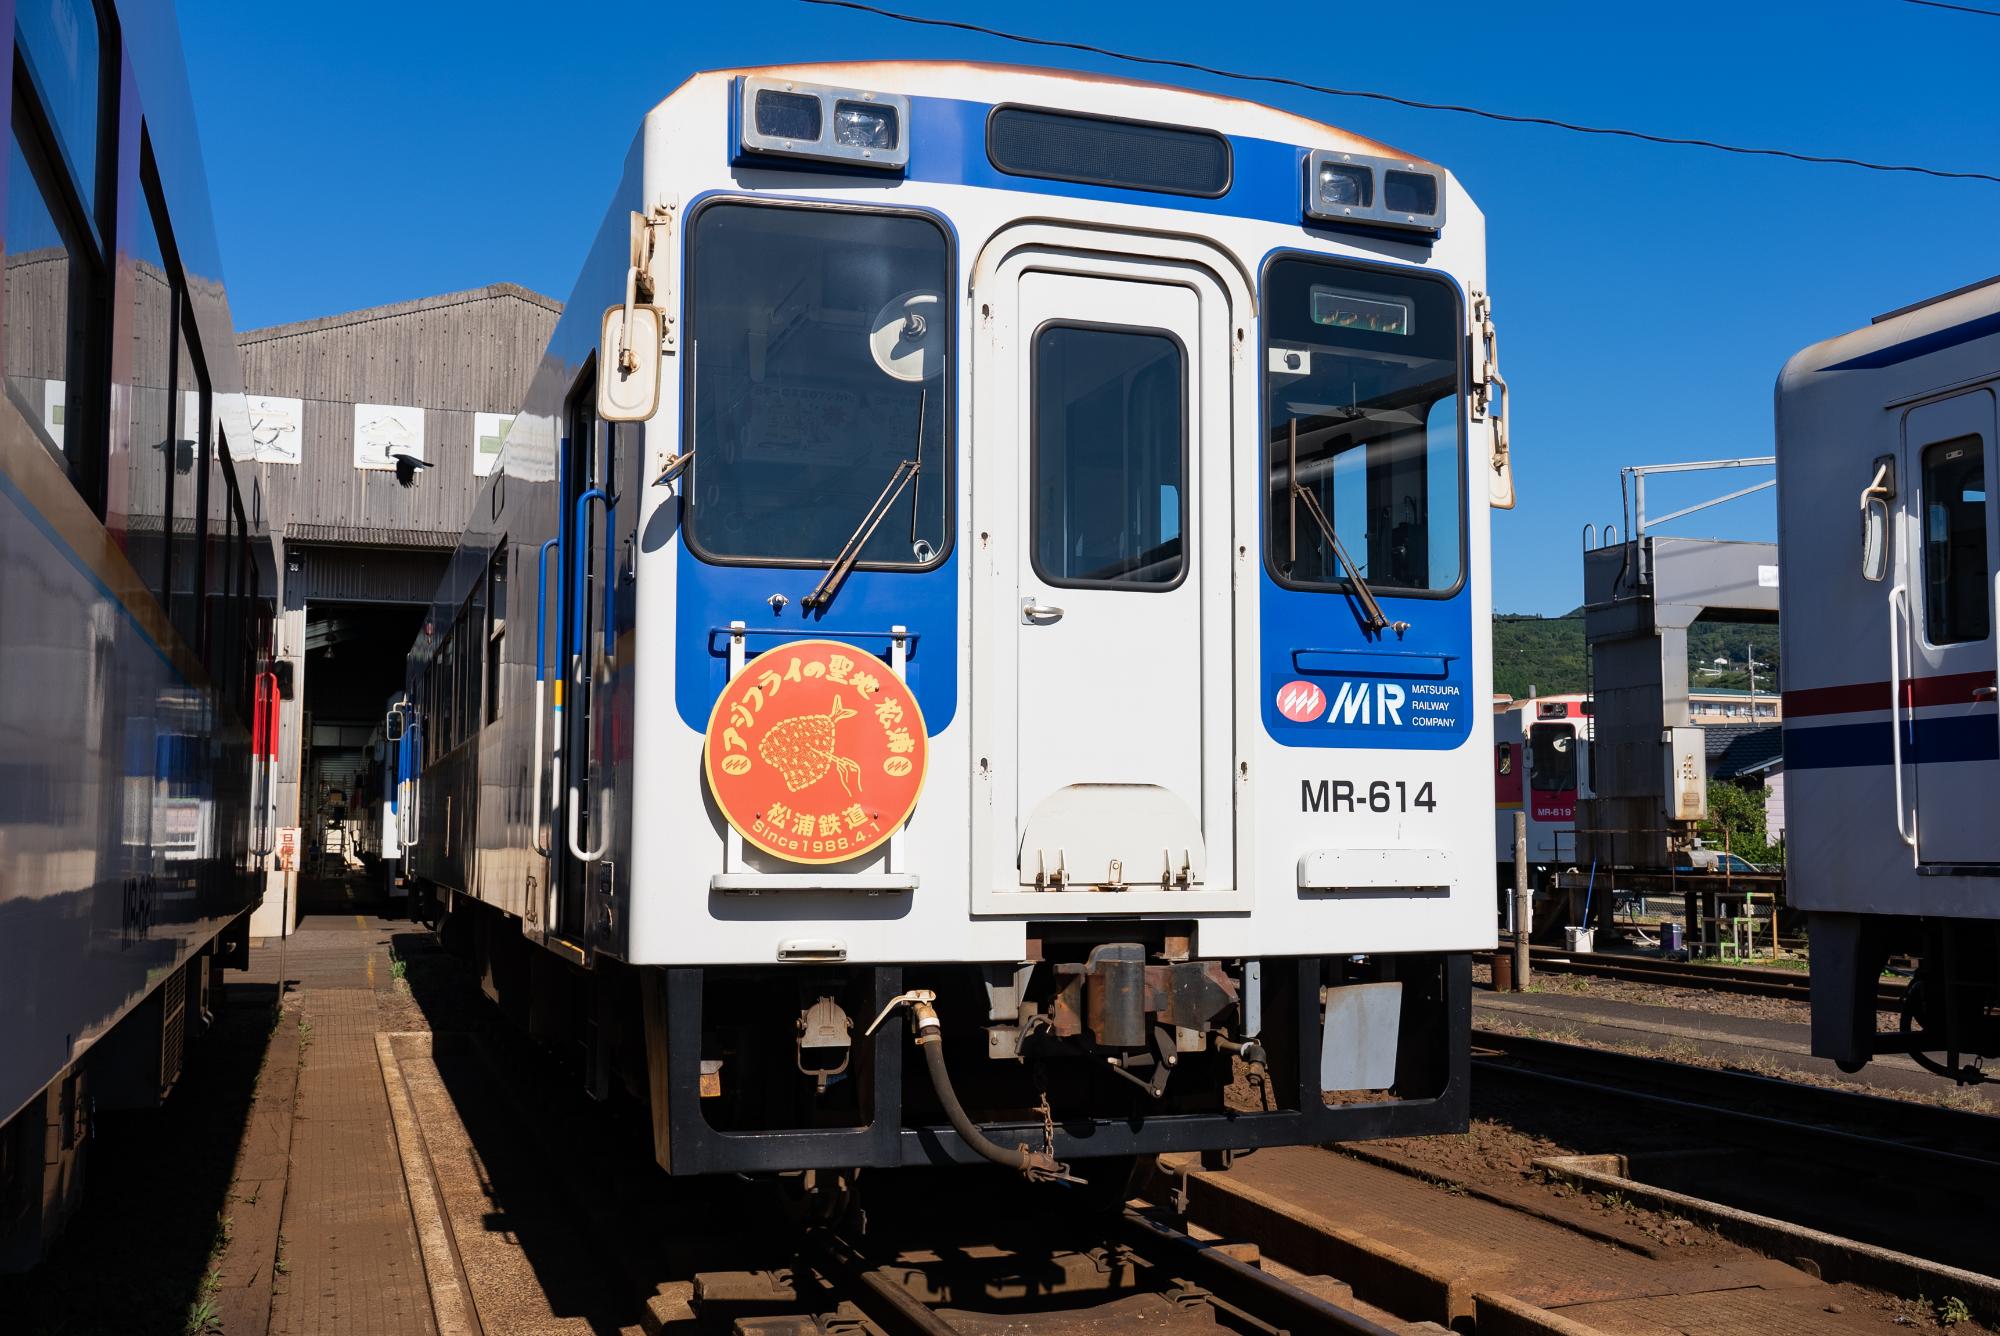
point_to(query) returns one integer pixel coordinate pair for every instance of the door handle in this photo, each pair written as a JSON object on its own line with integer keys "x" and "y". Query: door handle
{"x": 1036, "y": 614}
{"x": 1985, "y": 693}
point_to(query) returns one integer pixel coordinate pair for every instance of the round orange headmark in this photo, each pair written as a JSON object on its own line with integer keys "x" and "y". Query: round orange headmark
{"x": 816, "y": 752}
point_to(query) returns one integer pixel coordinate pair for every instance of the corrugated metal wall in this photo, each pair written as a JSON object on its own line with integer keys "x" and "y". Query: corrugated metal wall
{"x": 451, "y": 356}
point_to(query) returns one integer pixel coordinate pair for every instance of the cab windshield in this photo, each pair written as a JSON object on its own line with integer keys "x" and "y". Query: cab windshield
{"x": 819, "y": 339}
{"x": 1362, "y": 404}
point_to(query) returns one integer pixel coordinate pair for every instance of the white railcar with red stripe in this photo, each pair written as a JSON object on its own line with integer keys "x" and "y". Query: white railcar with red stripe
{"x": 1892, "y": 737}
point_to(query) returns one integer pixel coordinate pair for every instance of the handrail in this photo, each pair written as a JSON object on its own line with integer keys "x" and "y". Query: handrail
{"x": 604, "y": 826}
{"x": 582, "y": 663}
{"x": 1898, "y": 615}
{"x": 541, "y": 681}
{"x": 264, "y": 759}
{"x": 581, "y": 578}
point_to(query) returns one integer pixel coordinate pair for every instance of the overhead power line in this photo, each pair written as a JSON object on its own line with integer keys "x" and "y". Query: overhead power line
{"x": 1958, "y": 9}
{"x": 1454, "y": 108}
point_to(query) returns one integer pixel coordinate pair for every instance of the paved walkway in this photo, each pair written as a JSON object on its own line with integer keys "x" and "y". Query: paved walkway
{"x": 322, "y": 1239}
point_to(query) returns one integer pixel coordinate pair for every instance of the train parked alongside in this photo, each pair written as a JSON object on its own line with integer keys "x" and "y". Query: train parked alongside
{"x": 1890, "y": 780}
{"x": 1541, "y": 767}
{"x": 996, "y": 558}
{"x": 135, "y": 599}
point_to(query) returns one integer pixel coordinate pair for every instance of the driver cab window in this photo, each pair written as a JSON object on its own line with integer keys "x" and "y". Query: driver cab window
{"x": 820, "y": 355}
{"x": 1957, "y": 588}
{"x": 1552, "y": 758}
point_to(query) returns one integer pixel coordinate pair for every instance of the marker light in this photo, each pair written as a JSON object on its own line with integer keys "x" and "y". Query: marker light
{"x": 781, "y": 118}
{"x": 1375, "y": 192}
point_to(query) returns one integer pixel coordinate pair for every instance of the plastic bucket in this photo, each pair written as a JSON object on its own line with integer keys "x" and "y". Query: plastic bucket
{"x": 1673, "y": 937}
{"x": 1580, "y": 940}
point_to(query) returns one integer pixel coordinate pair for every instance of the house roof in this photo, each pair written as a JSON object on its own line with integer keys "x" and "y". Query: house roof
{"x": 1738, "y": 750}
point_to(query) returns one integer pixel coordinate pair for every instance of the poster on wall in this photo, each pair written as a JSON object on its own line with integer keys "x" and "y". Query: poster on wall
{"x": 489, "y": 433}
{"x": 383, "y": 431}
{"x": 276, "y": 428}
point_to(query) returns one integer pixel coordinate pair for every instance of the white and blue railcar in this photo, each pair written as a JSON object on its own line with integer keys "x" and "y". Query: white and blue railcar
{"x": 1002, "y": 543}
{"x": 1892, "y": 735}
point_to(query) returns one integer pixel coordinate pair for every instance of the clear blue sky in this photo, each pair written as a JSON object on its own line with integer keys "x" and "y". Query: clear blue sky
{"x": 363, "y": 152}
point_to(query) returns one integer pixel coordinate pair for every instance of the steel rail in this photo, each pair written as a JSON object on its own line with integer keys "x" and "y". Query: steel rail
{"x": 1237, "y": 1283}
{"x": 1171, "y": 1256}
{"x": 1805, "y": 1120}
{"x": 1746, "y": 980}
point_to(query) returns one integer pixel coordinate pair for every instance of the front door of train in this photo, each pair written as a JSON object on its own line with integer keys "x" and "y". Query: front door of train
{"x": 1102, "y": 619}
{"x": 1948, "y": 716}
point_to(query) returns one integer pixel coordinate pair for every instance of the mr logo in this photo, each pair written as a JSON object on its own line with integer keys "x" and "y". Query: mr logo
{"x": 1355, "y": 703}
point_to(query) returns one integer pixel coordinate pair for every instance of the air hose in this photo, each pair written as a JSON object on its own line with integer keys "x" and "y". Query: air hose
{"x": 1035, "y": 1165}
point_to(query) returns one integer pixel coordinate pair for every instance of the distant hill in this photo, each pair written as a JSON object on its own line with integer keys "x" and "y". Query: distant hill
{"x": 1548, "y": 654}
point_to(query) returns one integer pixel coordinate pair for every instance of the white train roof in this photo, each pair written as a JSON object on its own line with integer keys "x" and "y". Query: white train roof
{"x": 1933, "y": 316}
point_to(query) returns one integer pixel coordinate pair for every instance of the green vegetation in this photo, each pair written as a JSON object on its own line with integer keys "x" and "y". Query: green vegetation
{"x": 1548, "y": 654}
{"x": 1739, "y": 812}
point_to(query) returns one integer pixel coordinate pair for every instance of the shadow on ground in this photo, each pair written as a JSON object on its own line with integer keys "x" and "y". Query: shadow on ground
{"x": 136, "y": 1257}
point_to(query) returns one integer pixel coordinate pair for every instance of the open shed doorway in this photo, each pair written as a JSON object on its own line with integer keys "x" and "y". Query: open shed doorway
{"x": 354, "y": 660}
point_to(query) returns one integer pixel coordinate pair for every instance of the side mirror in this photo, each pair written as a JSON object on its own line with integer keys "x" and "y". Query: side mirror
{"x": 628, "y": 364}
{"x": 1875, "y": 498}
{"x": 1874, "y": 539}
{"x": 392, "y": 726}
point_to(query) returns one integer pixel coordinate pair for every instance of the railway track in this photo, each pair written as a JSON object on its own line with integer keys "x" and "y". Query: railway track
{"x": 1142, "y": 1274}
{"x": 1748, "y": 980}
{"x": 1917, "y": 1168}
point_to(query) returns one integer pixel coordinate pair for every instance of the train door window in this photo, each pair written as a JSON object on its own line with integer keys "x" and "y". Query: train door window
{"x": 1109, "y": 459}
{"x": 1552, "y": 758}
{"x": 447, "y": 688}
{"x": 50, "y": 308}
{"x": 496, "y": 631}
{"x": 1957, "y": 588}
{"x": 142, "y": 507}
{"x": 62, "y": 44}
{"x": 1362, "y": 397}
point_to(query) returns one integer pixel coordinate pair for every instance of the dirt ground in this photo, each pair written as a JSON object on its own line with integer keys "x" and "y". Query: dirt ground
{"x": 1494, "y": 1160}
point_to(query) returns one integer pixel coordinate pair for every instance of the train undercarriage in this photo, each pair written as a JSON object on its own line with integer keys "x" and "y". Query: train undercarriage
{"x": 1098, "y": 1049}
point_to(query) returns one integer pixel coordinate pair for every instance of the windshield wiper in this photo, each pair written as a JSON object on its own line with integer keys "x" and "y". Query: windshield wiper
{"x": 850, "y": 551}
{"x": 1301, "y": 495}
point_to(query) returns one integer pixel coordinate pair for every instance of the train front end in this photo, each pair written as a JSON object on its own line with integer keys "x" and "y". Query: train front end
{"x": 1058, "y": 630}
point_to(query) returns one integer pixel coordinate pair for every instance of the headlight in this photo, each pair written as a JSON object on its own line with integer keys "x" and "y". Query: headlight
{"x": 865, "y": 125}
{"x": 1343, "y": 186}
{"x": 1379, "y": 192}
{"x": 780, "y": 118}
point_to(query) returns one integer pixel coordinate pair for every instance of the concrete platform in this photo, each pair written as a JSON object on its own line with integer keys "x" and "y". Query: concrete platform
{"x": 323, "y": 1240}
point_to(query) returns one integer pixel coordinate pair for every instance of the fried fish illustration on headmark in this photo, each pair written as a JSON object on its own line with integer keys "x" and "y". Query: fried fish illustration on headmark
{"x": 801, "y": 750}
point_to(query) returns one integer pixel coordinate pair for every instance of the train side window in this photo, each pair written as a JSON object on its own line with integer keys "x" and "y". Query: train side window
{"x": 496, "y": 631}
{"x": 1109, "y": 458}
{"x": 62, "y": 44}
{"x": 188, "y": 459}
{"x": 1956, "y": 569}
{"x": 51, "y": 306}
{"x": 141, "y": 510}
